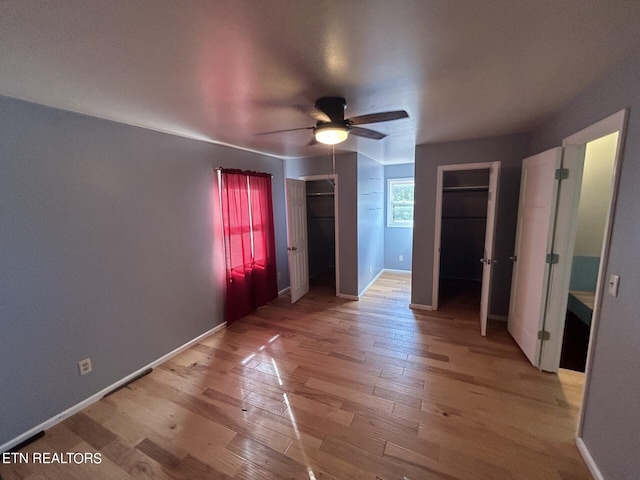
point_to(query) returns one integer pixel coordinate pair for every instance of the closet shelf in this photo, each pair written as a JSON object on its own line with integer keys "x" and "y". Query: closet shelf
{"x": 320, "y": 194}
{"x": 460, "y": 217}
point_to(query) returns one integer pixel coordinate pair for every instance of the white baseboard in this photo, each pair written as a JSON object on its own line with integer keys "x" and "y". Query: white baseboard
{"x": 393, "y": 270}
{"x": 588, "y": 459}
{"x": 500, "y": 318}
{"x": 417, "y": 306}
{"x": 97, "y": 396}
{"x": 284, "y": 291}
{"x": 348, "y": 297}
{"x": 370, "y": 283}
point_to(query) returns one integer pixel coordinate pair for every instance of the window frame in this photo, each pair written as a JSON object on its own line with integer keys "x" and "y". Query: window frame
{"x": 390, "y": 203}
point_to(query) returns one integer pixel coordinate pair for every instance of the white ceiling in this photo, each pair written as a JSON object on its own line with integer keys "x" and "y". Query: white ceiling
{"x": 225, "y": 70}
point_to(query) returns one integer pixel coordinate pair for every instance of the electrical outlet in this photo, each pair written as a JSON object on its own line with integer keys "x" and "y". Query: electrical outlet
{"x": 401, "y": 258}
{"x": 279, "y": 275}
{"x": 370, "y": 269}
{"x": 84, "y": 366}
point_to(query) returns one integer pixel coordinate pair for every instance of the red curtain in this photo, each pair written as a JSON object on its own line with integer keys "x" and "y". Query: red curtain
{"x": 247, "y": 216}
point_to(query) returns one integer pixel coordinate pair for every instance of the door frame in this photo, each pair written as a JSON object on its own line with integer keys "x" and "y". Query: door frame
{"x": 438, "y": 221}
{"x": 613, "y": 123}
{"x": 334, "y": 177}
{"x": 488, "y": 257}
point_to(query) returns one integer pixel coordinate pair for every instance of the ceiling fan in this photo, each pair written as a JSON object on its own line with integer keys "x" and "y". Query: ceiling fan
{"x": 332, "y": 128}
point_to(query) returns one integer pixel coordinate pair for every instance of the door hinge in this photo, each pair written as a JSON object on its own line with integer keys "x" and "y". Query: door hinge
{"x": 552, "y": 258}
{"x": 562, "y": 173}
{"x": 544, "y": 335}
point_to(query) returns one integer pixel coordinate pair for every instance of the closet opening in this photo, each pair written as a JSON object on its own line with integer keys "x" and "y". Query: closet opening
{"x": 466, "y": 206}
{"x": 321, "y": 229}
{"x": 464, "y": 222}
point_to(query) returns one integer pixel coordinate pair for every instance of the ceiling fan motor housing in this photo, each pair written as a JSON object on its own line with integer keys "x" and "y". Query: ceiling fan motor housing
{"x": 333, "y": 107}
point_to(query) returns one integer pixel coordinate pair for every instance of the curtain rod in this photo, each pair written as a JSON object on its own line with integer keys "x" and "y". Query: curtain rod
{"x": 242, "y": 172}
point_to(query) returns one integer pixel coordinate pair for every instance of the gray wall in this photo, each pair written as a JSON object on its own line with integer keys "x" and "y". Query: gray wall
{"x": 397, "y": 240}
{"x": 347, "y": 171}
{"x": 108, "y": 250}
{"x": 508, "y": 149}
{"x": 370, "y": 220}
{"x": 612, "y": 414}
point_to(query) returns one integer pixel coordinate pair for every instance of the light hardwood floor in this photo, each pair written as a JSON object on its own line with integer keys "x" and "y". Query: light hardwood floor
{"x": 333, "y": 389}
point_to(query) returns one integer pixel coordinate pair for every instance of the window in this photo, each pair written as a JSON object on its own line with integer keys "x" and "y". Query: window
{"x": 249, "y": 241}
{"x": 400, "y": 203}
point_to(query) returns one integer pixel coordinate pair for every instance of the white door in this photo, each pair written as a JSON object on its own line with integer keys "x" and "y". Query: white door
{"x": 534, "y": 239}
{"x": 487, "y": 260}
{"x": 297, "y": 237}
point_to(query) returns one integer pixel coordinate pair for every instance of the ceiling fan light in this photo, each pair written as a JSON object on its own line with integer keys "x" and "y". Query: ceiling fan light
{"x": 331, "y": 134}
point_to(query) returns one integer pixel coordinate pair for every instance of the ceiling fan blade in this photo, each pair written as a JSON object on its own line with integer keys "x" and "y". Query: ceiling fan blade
{"x": 377, "y": 117}
{"x": 366, "y": 133}
{"x": 313, "y": 113}
{"x": 320, "y": 116}
{"x": 286, "y": 130}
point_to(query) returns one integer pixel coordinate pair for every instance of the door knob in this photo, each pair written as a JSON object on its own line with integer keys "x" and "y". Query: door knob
{"x": 514, "y": 258}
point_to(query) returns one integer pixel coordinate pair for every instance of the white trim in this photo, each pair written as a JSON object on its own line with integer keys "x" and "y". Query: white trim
{"x": 588, "y": 459}
{"x": 336, "y": 224}
{"x": 400, "y": 180}
{"x": 348, "y": 297}
{"x": 370, "y": 283}
{"x": 437, "y": 239}
{"x": 284, "y": 291}
{"x": 438, "y": 221}
{"x": 613, "y": 123}
{"x": 417, "y": 306}
{"x": 313, "y": 178}
{"x": 97, "y": 396}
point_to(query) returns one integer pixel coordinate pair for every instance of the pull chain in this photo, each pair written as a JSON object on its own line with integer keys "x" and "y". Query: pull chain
{"x": 333, "y": 158}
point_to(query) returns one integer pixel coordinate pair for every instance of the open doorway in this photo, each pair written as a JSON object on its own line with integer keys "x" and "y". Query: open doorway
{"x": 565, "y": 239}
{"x": 321, "y": 229}
{"x": 466, "y": 205}
{"x": 592, "y": 212}
{"x": 463, "y": 227}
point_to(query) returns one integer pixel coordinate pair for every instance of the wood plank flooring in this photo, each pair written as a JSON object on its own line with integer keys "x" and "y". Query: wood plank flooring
{"x": 333, "y": 389}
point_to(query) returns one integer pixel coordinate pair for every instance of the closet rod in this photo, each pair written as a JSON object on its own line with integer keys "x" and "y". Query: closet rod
{"x": 244, "y": 172}
{"x": 470, "y": 188}
{"x": 320, "y": 194}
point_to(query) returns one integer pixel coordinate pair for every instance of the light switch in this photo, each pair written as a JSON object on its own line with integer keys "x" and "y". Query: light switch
{"x": 614, "y": 283}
